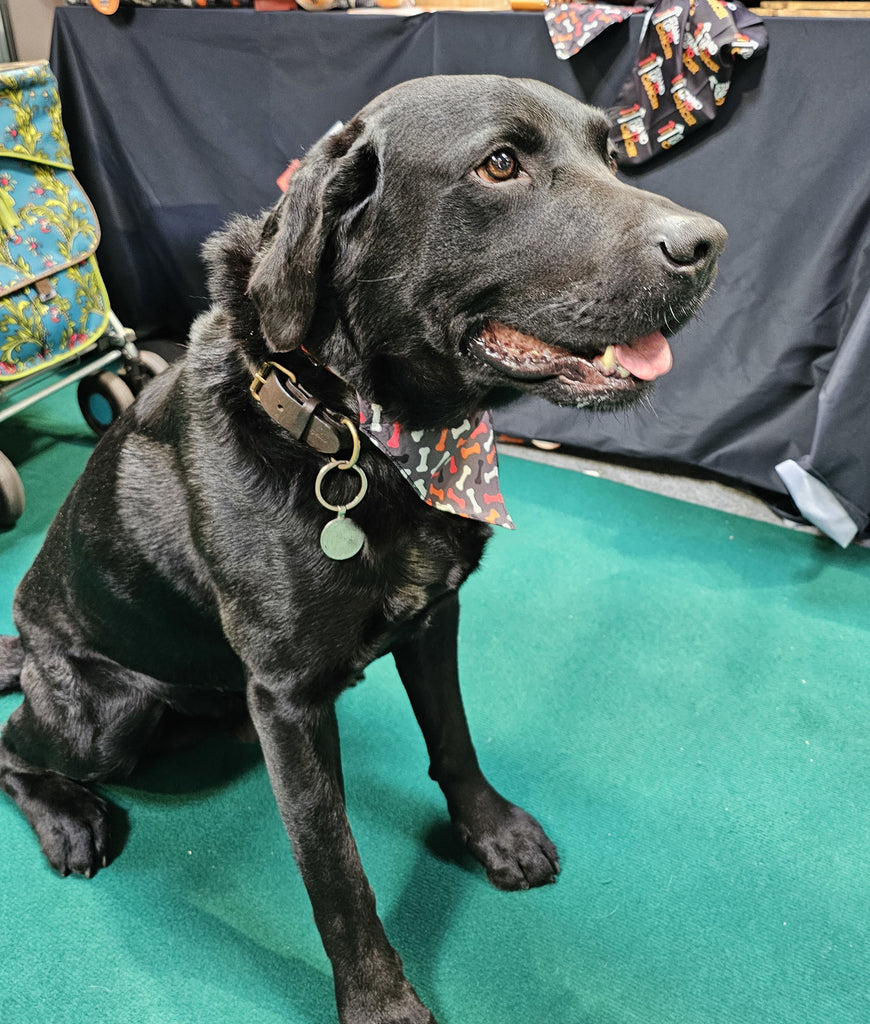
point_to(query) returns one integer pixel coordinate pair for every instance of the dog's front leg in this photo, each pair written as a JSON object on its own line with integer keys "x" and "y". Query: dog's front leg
{"x": 301, "y": 747}
{"x": 509, "y": 843}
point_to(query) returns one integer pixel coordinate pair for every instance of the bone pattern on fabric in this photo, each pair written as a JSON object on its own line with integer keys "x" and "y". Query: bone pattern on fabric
{"x": 573, "y": 25}
{"x": 454, "y": 469}
{"x": 683, "y": 68}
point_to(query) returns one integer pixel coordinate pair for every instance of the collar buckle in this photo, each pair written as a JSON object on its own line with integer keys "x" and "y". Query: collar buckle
{"x": 295, "y": 409}
{"x": 261, "y": 376}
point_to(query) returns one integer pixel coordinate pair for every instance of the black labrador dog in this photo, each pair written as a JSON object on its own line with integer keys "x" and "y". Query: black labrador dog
{"x": 234, "y": 547}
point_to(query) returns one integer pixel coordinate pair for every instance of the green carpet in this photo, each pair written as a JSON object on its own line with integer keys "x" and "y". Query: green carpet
{"x": 679, "y": 695}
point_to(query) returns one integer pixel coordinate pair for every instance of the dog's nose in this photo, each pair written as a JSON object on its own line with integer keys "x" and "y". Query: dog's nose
{"x": 690, "y": 243}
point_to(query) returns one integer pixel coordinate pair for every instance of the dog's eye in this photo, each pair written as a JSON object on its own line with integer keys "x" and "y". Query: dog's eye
{"x": 499, "y": 166}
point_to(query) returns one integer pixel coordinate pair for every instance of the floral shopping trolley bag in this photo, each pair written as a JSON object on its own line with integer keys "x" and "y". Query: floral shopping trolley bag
{"x": 53, "y": 301}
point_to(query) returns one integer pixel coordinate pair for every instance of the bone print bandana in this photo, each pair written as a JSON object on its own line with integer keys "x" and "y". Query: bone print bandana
{"x": 453, "y": 470}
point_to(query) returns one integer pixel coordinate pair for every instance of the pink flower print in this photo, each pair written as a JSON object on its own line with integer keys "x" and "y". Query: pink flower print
{"x": 44, "y": 226}
{"x": 54, "y": 313}
{"x": 32, "y": 245}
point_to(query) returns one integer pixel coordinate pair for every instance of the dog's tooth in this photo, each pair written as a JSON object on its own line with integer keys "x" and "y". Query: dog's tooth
{"x": 606, "y": 363}
{"x": 608, "y": 358}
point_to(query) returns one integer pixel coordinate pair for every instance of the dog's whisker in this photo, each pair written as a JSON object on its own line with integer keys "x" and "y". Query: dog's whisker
{"x": 376, "y": 280}
{"x": 647, "y": 402}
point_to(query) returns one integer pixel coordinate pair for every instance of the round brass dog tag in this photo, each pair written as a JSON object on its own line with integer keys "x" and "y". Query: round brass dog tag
{"x": 341, "y": 538}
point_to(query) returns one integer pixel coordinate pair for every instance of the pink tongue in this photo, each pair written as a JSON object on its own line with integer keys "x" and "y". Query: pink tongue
{"x": 647, "y": 358}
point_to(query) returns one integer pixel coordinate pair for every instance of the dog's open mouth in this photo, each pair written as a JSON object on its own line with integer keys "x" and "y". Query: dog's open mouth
{"x": 529, "y": 360}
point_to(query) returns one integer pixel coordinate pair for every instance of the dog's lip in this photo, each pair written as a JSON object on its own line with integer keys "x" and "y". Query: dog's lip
{"x": 526, "y": 358}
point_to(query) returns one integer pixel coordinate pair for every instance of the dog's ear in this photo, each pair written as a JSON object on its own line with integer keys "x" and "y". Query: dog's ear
{"x": 333, "y": 185}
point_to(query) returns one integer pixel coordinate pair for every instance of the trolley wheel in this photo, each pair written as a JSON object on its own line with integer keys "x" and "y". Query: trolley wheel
{"x": 11, "y": 494}
{"x": 149, "y": 364}
{"x": 102, "y": 399}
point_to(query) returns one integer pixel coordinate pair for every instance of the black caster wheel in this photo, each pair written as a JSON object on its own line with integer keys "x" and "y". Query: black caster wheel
{"x": 148, "y": 364}
{"x": 102, "y": 399}
{"x": 11, "y": 494}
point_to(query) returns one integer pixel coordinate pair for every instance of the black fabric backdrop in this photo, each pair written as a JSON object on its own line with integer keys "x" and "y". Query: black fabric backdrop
{"x": 178, "y": 118}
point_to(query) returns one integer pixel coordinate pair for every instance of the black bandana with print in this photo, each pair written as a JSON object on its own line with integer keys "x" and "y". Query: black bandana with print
{"x": 454, "y": 469}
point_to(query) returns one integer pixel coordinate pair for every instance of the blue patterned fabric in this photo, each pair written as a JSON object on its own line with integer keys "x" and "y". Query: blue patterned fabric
{"x": 52, "y": 298}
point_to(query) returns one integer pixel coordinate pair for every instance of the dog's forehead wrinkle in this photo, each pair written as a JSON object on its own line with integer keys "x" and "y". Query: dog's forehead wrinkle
{"x": 415, "y": 127}
{"x": 440, "y": 102}
{"x": 559, "y": 112}
{"x": 597, "y": 130}
{"x": 431, "y": 115}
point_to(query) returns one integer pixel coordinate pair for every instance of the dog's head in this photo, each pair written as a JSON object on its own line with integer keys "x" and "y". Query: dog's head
{"x": 464, "y": 238}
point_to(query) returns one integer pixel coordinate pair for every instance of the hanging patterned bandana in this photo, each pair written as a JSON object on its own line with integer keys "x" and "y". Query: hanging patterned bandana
{"x": 453, "y": 470}
{"x": 572, "y": 26}
{"x": 682, "y": 74}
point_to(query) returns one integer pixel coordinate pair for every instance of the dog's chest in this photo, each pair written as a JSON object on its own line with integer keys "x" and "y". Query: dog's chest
{"x": 415, "y": 579}
{"x": 417, "y": 564}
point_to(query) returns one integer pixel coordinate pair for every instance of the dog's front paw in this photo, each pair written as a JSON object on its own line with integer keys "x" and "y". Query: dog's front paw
{"x": 511, "y": 845}
{"x": 369, "y": 1007}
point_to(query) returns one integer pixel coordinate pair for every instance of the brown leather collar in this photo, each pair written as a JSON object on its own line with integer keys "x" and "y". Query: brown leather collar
{"x": 299, "y": 412}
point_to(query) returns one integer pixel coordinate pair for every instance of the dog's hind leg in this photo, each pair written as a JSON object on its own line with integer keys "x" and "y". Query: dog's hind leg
{"x": 511, "y": 845}
{"x": 11, "y": 663}
{"x": 70, "y": 821}
{"x": 85, "y": 727}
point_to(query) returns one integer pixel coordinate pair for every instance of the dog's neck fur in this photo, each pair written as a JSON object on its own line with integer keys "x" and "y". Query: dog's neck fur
{"x": 428, "y": 402}
{"x": 461, "y": 477}
{"x": 452, "y": 469}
